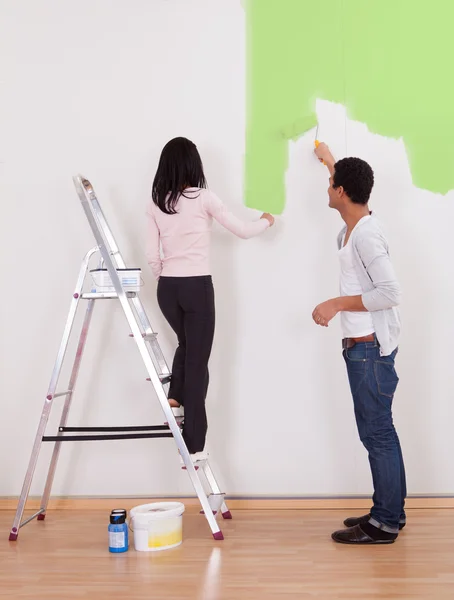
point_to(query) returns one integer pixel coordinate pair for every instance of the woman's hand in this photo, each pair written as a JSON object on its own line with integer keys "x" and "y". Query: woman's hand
{"x": 269, "y": 218}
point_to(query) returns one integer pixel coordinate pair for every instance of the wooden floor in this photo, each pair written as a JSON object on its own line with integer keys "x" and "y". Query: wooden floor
{"x": 266, "y": 555}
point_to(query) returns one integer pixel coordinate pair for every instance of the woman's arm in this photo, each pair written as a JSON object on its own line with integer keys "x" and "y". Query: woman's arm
{"x": 153, "y": 251}
{"x": 243, "y": 229}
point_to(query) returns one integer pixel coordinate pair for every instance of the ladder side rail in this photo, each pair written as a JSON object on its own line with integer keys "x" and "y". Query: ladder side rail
{"x": 213, "y": 484}
{"x": 87, "y": 194}
{"x": 113, "y": 246}
{"x": 69, "y": 323}
{"x": 49, "y": 398}
{"x": 67, "y": 406}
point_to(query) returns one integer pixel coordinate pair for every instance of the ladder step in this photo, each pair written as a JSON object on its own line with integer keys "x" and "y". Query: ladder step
{"x": 59, "y": 394}
{"x": 95, "y": 438}
{"x": 111, "y": 429}
{"x": 105, "y": 295}
{"x": 163, "y": 378}
{"x": 150, "y": 336}
{"x": 146, "y": 336}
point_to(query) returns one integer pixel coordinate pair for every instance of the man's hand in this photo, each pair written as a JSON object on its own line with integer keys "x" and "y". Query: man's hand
{"x": 323, "y": 153}
{"x": 325, "y": 312}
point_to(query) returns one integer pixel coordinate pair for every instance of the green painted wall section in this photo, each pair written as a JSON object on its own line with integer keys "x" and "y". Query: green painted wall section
{"x": 390, "y": 62}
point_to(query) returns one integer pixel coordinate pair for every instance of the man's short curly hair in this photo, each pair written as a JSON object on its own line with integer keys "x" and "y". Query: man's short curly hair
{"x": 356, "y": 177}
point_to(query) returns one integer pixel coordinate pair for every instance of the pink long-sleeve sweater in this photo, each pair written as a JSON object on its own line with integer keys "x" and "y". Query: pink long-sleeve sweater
{"x": 185, "y": 236}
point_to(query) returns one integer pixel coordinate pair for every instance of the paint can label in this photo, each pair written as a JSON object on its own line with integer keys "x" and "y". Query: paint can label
{"x": 117, "y": 539}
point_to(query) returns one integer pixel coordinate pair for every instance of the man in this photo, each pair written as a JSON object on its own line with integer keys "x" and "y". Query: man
{"x": 369, "y": 294}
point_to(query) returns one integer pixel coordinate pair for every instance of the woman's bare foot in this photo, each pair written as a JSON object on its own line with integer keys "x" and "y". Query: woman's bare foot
{"x": 173, "y": 403}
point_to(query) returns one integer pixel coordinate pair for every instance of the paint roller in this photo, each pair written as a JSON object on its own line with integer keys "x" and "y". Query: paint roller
{"x": 296, "y": 129}
{"x": 317, "y": 144}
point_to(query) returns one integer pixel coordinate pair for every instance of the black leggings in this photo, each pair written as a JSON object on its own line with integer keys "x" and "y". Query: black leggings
{"x": 188, "y": 305}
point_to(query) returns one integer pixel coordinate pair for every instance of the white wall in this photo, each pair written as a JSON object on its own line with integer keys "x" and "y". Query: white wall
{"x": 98, "y": 87}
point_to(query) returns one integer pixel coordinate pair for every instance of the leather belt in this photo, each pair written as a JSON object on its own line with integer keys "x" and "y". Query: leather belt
{"x": 348, "y": 343}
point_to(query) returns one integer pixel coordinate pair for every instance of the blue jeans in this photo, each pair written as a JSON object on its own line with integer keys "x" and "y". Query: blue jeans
{"x": 373, "y": 381}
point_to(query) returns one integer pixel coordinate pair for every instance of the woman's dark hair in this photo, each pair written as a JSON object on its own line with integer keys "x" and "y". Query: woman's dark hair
{"x": 180, "y": 167}
{"x": 356, "y": 177}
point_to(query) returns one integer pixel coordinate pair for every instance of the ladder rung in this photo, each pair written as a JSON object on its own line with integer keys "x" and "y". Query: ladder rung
{"x": 146, "y": 336}
{"x": 95, "y": 438}
{"x": 163, "y": 378}
{"x": 150, "y": 336}
{"x": 105, "y": 295}
{"x": 107, "y": 429}
{"x": 59, "y": 394}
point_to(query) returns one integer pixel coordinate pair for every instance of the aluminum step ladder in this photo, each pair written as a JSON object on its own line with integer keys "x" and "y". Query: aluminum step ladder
{"x": 110, "y": 257}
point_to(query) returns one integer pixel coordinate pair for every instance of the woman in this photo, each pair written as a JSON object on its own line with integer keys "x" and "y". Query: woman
{"x": 180, "y": 216}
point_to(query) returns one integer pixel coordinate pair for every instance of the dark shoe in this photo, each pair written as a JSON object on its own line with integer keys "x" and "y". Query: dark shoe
{"x": 352, "y": 521}
{"x": 355, "y": 535}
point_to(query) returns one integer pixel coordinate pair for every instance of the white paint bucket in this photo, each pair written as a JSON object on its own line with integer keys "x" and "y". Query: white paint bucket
{"x": 130, "y": 279}
{"x": 157, "y": 526}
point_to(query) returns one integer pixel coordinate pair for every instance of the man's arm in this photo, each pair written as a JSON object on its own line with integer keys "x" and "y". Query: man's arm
{"x": 385, "y": 293}
{"x": 350, "y": 304}
{"x": 373, "y": 251}
{"x": 325, "y": 312}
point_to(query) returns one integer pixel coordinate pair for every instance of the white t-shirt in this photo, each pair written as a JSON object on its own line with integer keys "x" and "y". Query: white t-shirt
{"x": 354, "y": 324}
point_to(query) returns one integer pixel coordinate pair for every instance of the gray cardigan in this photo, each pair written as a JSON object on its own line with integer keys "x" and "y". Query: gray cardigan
{"x": 381, "y": 290}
